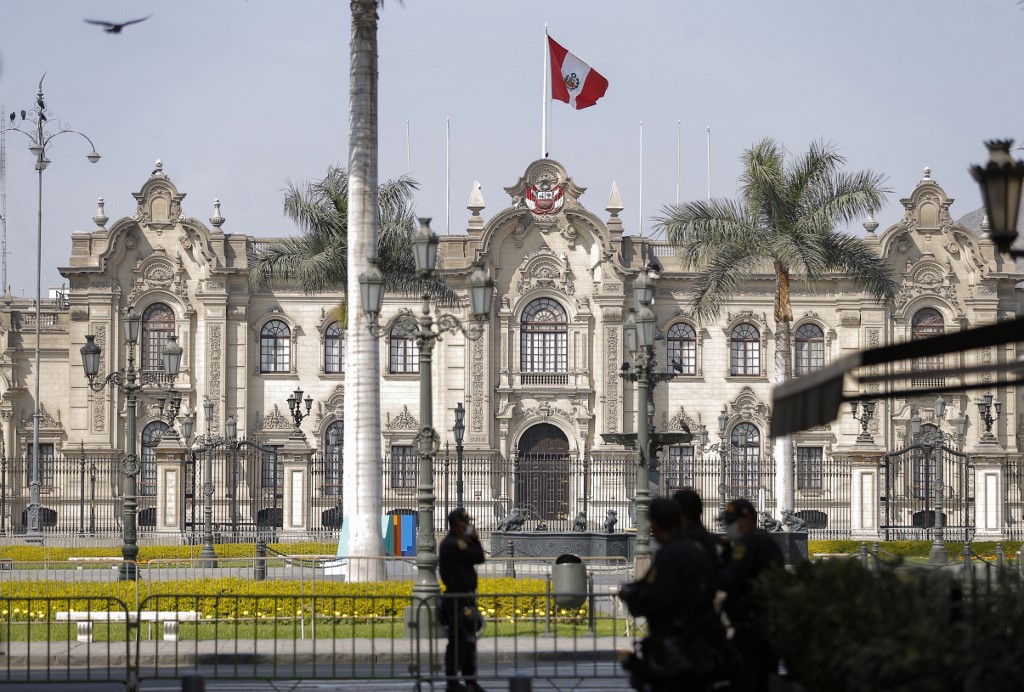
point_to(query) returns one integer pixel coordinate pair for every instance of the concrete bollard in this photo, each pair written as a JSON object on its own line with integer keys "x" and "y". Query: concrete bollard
{"x": 510, "y": 566}
{"x": 875, "y": 564}
{"x": 519, "y": 683}
{"x": 864, "y": 554}
{"x": 193, "y": 682}
{"x": 260, "y": 571}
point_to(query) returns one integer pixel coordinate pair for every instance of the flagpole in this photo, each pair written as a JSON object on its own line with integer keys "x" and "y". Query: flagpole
{"x": 640, "y": 209}
{"x": 709, "y": 162}
{"x": 544, "y": 98}
{"x": 679, "y": 124}
{"x": 447, "y": 175}
{"x": 408, "y": 149}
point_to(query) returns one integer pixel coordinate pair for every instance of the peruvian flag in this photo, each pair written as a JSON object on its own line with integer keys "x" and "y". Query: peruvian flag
{"x": 573, "y": 80}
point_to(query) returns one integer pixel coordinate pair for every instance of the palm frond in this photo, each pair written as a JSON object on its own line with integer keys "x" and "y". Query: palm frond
{"x": 698, "y": 228}
{"x": 853, "y": 256}
{"x": 722, "y": 275}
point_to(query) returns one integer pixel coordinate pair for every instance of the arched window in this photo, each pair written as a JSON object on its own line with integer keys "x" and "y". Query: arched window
{"x": 544, "y": 337}
{"x": 682, "y": 348}
{"x": 810, "y": 349}
{"x": 745, "y": 350}
{"x": 157, "y": 328}
{"x": 333, "y": 458}
{"x": 405, "y": 352}
{"x": 746, "y": 459}
{"x": 151, "y": 436}
{"x": 275, "y": 347}
{"x": 927, "y": 322}
{"x": 334, "y": 349}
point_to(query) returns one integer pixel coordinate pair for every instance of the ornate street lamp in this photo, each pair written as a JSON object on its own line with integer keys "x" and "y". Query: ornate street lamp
{"x": 295, "y": 406}
{"x": 865, "y": 420}
{"x": 427, "y": 443}
{"x": 986, "y": 407}
{"x": 1000, "y": 180}
{"x": 130, "y": 382}
{"x": 459, "y": 430}
{"x": 36, "y": 123}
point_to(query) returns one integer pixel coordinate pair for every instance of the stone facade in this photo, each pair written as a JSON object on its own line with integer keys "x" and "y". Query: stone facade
{"x": 511, "y": 380}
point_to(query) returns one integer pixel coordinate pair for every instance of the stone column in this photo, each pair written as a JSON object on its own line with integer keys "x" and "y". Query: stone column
{"x": 296, "y": 453}
{"x": 170, "y": 481}
{"x": 865, "y": 490}
{"x": 989, "y": 492}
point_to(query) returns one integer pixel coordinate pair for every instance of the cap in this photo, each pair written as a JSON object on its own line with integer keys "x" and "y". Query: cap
{"x": 735, "y": 509}
{"x": 458, "y": 514}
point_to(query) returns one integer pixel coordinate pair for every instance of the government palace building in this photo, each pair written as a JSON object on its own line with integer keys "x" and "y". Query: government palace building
{"x": 538, "y": 390}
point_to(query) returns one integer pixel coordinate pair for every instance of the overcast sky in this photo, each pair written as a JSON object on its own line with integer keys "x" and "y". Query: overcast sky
{"x": 238, "y": 96}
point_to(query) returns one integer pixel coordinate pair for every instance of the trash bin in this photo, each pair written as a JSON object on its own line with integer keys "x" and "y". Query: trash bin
{"x": 569, "y": 581}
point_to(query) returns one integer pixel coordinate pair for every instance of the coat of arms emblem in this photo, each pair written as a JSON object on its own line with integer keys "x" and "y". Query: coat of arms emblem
{"x": 544, "y": 198}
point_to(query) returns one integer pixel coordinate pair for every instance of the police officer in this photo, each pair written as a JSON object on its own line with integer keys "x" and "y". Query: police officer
{"x": 675, "y": 598}
{"x": 752, "y": 551}
{"x": 691, "y": 506}
{"x": 459, "y": 554}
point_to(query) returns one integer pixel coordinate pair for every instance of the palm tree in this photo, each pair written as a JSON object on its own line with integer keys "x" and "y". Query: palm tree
{"x": 317, "y": 261}
{"x": 786, "y": 219}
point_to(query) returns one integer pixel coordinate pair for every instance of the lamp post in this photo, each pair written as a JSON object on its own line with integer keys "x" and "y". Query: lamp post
{"x": 1001, "y": 179}
{"x": 207, "y": 555}
{"x": 130, "y": 381}
{"x": 459, "y": 429}
{"x": 986, "y": 406}
{"x": 640, "y": 334}
{"x": 36, "y": 122}
{"x": 426, "y": 332}
{"x": 295, "y": 406}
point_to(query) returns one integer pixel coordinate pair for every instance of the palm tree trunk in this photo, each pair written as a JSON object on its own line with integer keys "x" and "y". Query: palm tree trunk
{"x": 362, "y": 466}
{"x": 783, "y": 446}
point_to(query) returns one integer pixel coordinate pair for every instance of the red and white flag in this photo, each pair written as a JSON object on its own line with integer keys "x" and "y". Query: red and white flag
{"x": 573, "y": 80}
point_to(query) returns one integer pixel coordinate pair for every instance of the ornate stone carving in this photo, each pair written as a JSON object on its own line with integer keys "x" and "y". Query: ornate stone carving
{"x": 748, "y": 407}
{"x": 274, "y": 420}
{"x": 46, "y": 420}
{"x": 477, "y": 386}
{"x": 849, "y": 318}
{"x": 79, "y": 314}
{"x": 215, "y": 349}
{"x": 544, "y": 269}
{"x": 403, "y": 421}
{"x": 99, "y": 398}
{"x": 612, "y": 383}
{"x": 682, "y": 421}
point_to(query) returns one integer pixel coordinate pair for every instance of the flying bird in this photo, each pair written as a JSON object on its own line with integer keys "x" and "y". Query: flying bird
{"x": 111, "y": 27}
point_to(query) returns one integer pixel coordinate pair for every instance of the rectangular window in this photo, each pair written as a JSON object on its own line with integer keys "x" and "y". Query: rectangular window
{"x": 405, "y": 355}
{"x": 679, "y": 472}
{"x": 403, "y": 466}
{"x": 333, "y": 355}
{"x": 47, "y": 465}
{"x": 808, "y": 468}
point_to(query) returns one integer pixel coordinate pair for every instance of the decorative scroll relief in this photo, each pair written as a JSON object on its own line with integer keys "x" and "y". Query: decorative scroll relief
{"x": 214, "y": 355}
{"x": 477, "y": 385}
{"x": 99, "y": 398}
{"x": 873, "y": 342}
{"x": 749, "y": 407}
{"x": 274, "y": 420}
{"x": 985, "y": 359}
{"x": 545, "y": 269}
{"x": 403, "y": 421}
{"x": 682, "y": 421}
{"x": 46, "y": 420}
{"x": 612, "y": 380}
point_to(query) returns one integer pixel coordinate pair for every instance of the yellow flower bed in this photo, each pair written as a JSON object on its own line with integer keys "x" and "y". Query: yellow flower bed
{"x": 229, "y": 598}
{"x": 34, "y": 553}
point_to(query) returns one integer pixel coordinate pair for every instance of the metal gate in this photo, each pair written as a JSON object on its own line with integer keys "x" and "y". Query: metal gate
{"x": 248, "y": 491}
{"x": 915, "y": 478}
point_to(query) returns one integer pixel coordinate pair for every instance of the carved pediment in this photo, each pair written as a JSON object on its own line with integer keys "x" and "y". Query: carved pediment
{"x": 403, "y": 421}
{"x": 748, "y": 406}
{"x": 545, "y": 269}
{"x": 46, "y": 420}
{"x": 274, "y": 420}
{"x": 681, "y": 420}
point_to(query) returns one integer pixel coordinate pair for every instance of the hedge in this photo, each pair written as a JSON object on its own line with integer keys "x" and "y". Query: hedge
{"x": 238, "y": 598}
{"x": 913, "y": 548}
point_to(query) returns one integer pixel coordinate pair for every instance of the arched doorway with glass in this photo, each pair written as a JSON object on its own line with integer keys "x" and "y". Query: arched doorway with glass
{"x": 542, "y": 474}
{"x": 151, "y": 436}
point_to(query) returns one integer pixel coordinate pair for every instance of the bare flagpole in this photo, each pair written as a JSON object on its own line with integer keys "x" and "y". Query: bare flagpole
{"x": 447, "y": 175}
{"x": 679, "y": 125}
{"x": 544, "y": 98}
{"x": 640, "y": 210}
{"x": 709, "y": 162}
{"x": 408, "y": 149}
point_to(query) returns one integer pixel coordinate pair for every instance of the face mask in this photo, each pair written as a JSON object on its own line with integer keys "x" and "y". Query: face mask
{"x": 468, "y": 531}
{"x": 733, "y": 532}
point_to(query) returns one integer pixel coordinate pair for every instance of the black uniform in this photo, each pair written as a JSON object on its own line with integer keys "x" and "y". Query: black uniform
{"x": 745, "y": 560}
{"x": 676, "y": 598}
{"x": 458, "y": 557}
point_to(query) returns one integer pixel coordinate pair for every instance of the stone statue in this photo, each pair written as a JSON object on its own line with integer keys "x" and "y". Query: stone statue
{"x": 541, "y": 525}
{"x": 580, "y": 522}
{"x": 513, "y": 522}
{"x": 610, "y": 520}
{"x": 770, "y": 523}
{"x": 792, "y": 522}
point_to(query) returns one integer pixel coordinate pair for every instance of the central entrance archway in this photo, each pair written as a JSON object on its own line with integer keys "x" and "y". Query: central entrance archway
{"x": 542, "y": 473}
